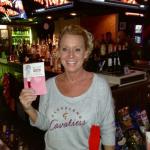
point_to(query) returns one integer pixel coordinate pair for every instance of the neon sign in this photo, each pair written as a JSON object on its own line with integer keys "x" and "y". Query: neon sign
{"x": 129, "y": 1}
{"x": 48, "y": 3}
{"x": 12, "y": 7}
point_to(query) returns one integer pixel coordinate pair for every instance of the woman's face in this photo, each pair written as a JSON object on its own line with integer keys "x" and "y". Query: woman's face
{"x": 72, "y": 52}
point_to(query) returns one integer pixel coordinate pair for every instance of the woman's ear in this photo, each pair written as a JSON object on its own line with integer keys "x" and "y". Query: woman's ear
{"x": 86, "y": 54}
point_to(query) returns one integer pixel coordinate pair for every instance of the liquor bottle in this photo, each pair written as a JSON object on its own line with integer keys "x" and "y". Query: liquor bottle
{"x": 103, "y": 49}
{"x": 115, "y": 58}
{"x": 135, "y": 140}
{"x": 132, "y": 144}
{"x": 103, "y": 58}
{"x": 119, "y": 47}
{"x": 22, "y": 145}
{"x": 110, "y": 63}
{"x": 110, "y": 58}
{"x": 110, "y": 48}
{"x": 3, "y": 134}
{"x": 102, "y": 46}
{"x": 12, "y": 144}
{"x": 119, "y": 69}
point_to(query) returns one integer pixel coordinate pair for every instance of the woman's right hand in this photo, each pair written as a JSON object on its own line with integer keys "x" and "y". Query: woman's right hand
{"x": 27, "y": 96}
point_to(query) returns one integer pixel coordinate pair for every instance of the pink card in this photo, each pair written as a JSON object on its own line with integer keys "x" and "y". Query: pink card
{"x": 34, "y": 77}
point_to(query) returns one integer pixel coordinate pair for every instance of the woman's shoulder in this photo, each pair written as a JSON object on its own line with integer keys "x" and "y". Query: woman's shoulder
{"x": 50, "y": 79}
{"x": 100, "y": 79}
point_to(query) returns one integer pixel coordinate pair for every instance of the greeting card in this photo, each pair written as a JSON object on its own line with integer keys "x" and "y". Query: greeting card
{"x": 34, "y": 77}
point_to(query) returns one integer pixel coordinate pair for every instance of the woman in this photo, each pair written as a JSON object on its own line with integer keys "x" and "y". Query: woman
{"x": 76, "y": 99}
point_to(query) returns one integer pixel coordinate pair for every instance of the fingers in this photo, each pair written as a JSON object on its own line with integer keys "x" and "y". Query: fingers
{"x": 27, "y": 96}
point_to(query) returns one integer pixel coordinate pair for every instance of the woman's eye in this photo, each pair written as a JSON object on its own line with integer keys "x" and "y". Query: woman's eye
{"x": 77, "y": 49}
{"x": 64, "y": 49}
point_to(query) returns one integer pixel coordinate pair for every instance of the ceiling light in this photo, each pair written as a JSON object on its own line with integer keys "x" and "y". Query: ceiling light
{"x": 49, "y": 17}
{"x": 142, "y": 6}
{"x": 134, "y": 14}
{"x": 73, "y": 14}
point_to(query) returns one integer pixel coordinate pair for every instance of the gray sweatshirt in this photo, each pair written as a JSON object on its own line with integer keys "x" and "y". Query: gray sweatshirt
{"x": 67, "y": 120}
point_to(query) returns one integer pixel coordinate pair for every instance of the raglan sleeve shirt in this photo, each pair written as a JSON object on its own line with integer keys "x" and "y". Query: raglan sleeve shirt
{"x": 106, "y": 115}
{"x": 98, "y": 99}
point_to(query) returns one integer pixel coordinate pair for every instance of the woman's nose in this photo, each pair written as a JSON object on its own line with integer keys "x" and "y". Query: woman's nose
{"x": 71, "y": 53}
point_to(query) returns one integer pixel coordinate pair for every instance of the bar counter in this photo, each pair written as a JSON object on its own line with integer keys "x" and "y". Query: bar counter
{"x": 133, "y": 95}
{"x": 16, "y": 68}
{"x": 137, "y": 94}
{"x": 11, "y": 67}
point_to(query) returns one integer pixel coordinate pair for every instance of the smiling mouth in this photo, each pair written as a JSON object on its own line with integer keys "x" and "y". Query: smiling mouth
{"x": 71, "y": 62}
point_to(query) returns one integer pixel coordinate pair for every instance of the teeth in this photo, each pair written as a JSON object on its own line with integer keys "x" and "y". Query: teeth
{"x": 71, "y": 62}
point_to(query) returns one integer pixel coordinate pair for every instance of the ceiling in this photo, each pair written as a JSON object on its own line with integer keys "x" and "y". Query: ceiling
{"x": 87, "y": 7}
{"x": 81, "y": 7}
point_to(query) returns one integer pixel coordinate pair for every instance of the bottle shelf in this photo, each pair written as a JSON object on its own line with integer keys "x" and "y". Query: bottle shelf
{"x": 20, "y": 36}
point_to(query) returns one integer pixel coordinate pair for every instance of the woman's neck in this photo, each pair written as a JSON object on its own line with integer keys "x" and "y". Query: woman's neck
{"x": 75, "y": 77}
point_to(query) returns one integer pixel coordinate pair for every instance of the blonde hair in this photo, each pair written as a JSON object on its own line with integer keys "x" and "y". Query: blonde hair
{"x": 78, "y": 30}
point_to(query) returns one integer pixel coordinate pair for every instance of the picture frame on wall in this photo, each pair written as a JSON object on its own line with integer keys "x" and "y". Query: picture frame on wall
{"x": 4, "y": 34}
